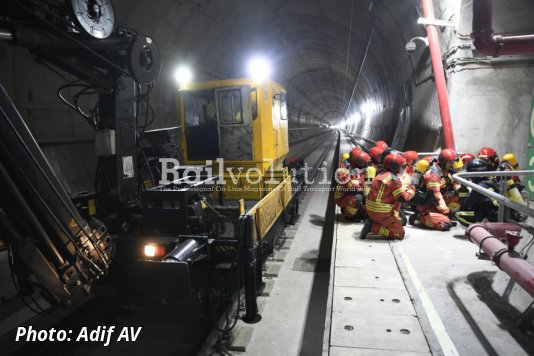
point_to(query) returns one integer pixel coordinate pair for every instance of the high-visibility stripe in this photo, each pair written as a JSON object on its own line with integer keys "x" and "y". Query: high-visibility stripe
{"x": 350, "y": 210}
{"x": 433, "y": 185}
{"x": 460, "y": 219}
{"x": 429, "y": 224}
{"x": 380, "y": 192}
{"x": 398, "y": 191}
{"x": 378, "y": 207}
{"x": 454, "y": 206}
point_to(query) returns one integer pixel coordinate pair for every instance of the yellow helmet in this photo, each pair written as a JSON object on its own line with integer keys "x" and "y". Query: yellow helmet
{"x": 510, "y": 158}
{"x": 370, "y": 172}
{"x": 457, "y": 165}
{"x": 422, "y": 165}
{"x": 345, "y": 157}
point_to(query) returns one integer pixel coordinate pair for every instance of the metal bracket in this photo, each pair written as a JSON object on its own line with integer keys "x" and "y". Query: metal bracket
{"x": 434, "y": 22}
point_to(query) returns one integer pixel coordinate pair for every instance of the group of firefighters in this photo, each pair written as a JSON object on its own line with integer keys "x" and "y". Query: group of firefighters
{"x": 378, "y": 185}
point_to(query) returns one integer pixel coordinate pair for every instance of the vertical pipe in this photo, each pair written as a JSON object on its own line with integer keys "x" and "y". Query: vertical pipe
{"x": 439, "y": 75}
{"x": 249, "y": 266}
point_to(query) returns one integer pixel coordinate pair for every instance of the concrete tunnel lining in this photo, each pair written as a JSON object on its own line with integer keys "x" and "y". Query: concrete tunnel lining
{"x": 307, "y": 42}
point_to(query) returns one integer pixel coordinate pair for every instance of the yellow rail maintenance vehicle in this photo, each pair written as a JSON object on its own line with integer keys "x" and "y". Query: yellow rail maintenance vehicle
{"x": 235, "y": 132}
{"x": 240, "y": 128}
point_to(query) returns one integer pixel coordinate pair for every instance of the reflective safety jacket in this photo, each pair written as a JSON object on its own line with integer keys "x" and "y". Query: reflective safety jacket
{"x": 434, "y": 182}
{"x": 476, "y": 200}
{"x": 386, "y": 191}
{"x": 349, "y": 182}
{"x": 407, "y": 175}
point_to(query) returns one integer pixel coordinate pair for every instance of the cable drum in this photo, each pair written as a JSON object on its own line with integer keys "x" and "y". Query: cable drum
{"x": 144, "y": 59}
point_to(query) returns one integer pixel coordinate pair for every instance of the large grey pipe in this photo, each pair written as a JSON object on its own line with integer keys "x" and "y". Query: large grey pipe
{"x": 5, "y": 35}
{"x": 182, "y": 252}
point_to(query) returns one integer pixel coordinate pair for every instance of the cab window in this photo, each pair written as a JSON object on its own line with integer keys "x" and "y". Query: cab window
{"x": 254, "y": 103}
{"x": 231, "y": 107}
{"x": 283, "y": 106}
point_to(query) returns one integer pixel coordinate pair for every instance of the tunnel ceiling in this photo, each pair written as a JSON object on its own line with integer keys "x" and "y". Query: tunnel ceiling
{"x": 317, "y": 48}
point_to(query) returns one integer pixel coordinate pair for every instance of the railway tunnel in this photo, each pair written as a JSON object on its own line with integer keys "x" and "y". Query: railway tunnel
{"x": 355, "y": 72}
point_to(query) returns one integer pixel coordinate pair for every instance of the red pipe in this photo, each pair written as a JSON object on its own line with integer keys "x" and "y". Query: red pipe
{"x": 488, "y": 43}
{"x": 439, "y": 75}
{"x": 509, "y": 261}
{"x": 499, "y": 230}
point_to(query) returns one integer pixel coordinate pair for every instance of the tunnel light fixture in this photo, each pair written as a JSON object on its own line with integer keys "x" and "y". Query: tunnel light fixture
{"x": 366, "y": 109}
{"x": 355, "y": 118}
{"x": 259, "y": 69}
{"x": 183, "y": 75}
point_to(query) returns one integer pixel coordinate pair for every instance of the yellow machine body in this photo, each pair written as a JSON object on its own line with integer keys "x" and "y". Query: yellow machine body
{"x": 244, "y": 123}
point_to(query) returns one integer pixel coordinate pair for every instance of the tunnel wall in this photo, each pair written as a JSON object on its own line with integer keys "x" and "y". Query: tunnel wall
{"x": 490, "y": 99}
{"x": 66, "y": 139}
{"x": 491, "y": 103}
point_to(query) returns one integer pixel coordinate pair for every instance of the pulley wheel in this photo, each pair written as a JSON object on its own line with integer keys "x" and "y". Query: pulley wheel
{"x": 144, "y": 59}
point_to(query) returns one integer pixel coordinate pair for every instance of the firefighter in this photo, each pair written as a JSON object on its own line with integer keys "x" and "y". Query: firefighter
{"x": 467, "y": 157}
{"x": 489, "y": 155}
{"x": 477, "y": 207}
{"x": 420, "y": 197}
{"x": 375, "y": 153}
{"x": 406, "y": 178}
{"x": 411, "y": 158}
{"x": 434, "y": 212}
{"x": 345, "y": 161}
{"x": 384, "y": 200}
{"x": 382, "y": 144}
{"x": 349, "y": 195}
{"x": 509, "y": 160}
{"x": 514, "y": 187}
{"x": 509, "y": 163}
{"x": 458, "y": 165}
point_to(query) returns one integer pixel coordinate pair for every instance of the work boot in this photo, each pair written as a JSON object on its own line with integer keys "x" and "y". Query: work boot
{"x": 402, "y": 215}
{"x": 366, "y": 229}
{"x": 413, "y": 219}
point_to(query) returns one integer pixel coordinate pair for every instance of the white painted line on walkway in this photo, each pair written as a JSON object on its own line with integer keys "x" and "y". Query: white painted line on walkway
{"x": 435, "y": 321}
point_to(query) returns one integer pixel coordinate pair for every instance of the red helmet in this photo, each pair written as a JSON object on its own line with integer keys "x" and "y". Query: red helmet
{"x": 410, "y": 157}
{"x": 382, "y": 144}
{"x": 394, "y": 162}
{"x": 447, "y": 155}
{"x": 361, "y": 159}
{"x": 355, "y": 151}
{"x": 489, "y": 155}
{"x": 375, "y": 153}
{"x": 467, "y": 157}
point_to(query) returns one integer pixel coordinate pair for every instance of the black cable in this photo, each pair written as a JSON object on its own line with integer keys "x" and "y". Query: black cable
{"x": 146, "y": 163}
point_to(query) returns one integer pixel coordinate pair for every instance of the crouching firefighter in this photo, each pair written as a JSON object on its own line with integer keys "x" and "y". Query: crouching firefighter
{"x": 477, "y": 207}
{"x": 385, "y": 198}
{"x": 434, "y": 212}
{"x": 349, "y": 194}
